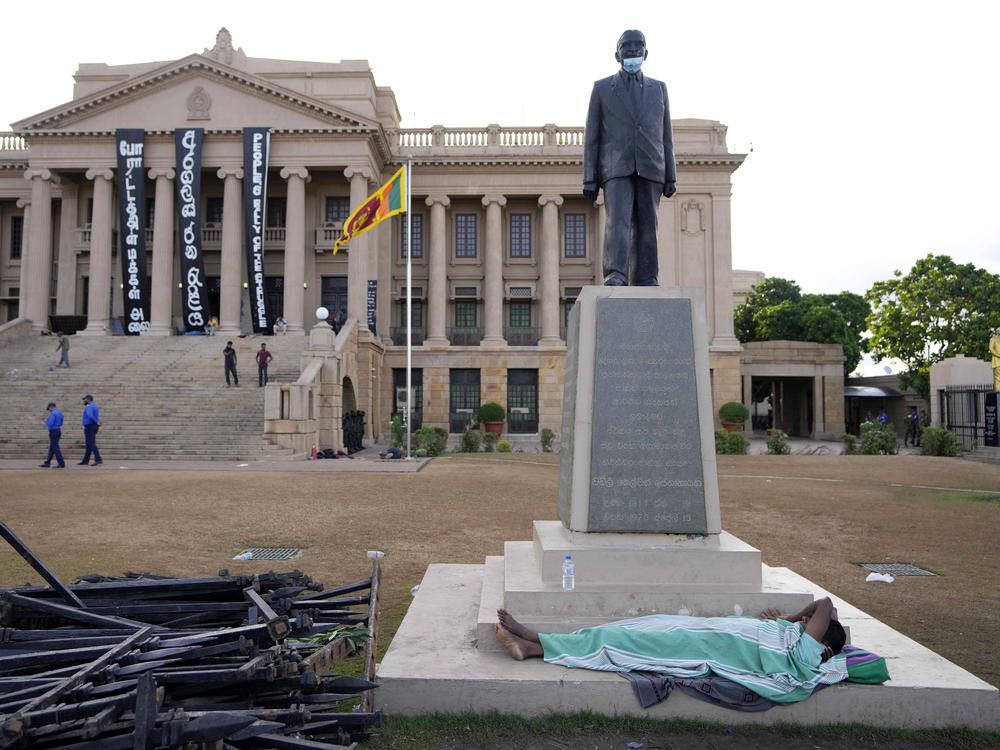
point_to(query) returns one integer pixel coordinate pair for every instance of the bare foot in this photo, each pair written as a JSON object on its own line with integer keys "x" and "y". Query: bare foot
{"x": 519, "y": 648}
{"x": 508, "y": 623}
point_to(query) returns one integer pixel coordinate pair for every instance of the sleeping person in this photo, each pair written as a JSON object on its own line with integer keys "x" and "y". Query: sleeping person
{"x": 782, "y": 657}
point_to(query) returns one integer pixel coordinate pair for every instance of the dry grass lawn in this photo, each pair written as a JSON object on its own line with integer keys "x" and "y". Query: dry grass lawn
{"x": 816, "y": 515}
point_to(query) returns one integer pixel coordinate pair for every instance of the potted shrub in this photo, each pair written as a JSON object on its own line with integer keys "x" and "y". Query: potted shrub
{"x": 491, "y": 416}
{"x": 733, "y": 414}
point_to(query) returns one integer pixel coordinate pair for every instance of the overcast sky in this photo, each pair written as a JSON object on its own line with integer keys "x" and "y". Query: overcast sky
{"x": 873, "y": 124}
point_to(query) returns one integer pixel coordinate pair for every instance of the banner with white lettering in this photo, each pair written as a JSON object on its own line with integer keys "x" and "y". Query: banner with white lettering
{"x": 372, "y": 303}
{"x": 132, "y": 228}
{"x": 194, "y": 297}
{"x": 256, "y": 144}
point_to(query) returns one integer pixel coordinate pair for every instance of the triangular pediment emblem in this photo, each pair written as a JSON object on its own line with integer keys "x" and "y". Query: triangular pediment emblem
{"x": 195, "y": 90}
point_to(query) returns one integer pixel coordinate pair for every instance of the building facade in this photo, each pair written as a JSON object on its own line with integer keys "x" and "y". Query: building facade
{"x": 503, "y": 239}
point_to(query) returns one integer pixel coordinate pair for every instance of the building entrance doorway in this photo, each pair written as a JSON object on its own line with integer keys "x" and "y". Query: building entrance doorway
{"x": 334, "y": 294}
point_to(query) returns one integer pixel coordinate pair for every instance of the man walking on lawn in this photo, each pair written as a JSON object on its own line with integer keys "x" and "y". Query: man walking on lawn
{"x": 91, "y": 423}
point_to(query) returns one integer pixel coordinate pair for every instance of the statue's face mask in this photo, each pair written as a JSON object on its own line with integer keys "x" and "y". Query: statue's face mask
{"x": 631, "y": 51}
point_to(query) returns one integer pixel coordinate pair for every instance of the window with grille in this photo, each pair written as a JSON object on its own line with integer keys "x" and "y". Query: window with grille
{"x": 417, "y": 308}
{"x": 465, "y": 314}
{"x": 417, "y": 221}
{"x": 417, "y": 383}
{"x": 150, "y": 212}
{"x": 575, "y": 235}
{"x": 337, "y": 210}
{"x": 213, "y": 210}
{"x": 16, "y": 236}
{"x": 464, "y": 397}
{"x": 465, "y": 236}
{"x": 275, "y": 212}
{"x": 520, "y": 314}
{"x": 520, "y": 235}
{"x": 522, "y": 401}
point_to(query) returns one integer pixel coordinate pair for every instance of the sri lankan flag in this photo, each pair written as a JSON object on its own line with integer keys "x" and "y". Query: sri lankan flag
{"x": 388, "y": 200}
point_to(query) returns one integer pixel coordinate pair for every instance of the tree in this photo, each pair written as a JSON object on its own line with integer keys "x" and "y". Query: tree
{"x": 777, "y": 310}
{"x": 937, "y": 310}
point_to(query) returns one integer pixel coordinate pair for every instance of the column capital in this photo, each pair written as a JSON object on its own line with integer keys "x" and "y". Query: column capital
{"x": 501, "y": 200}
{"x": 302, "y": 172}
{"x": 352, "y": 172}
{"x": 444, "y": 200}
{"x": 545, "y": 199}
{"x": 105, "y": 174}
{"x": 225, "y": 172}
{"x": 168, "y": 172}
{"x": 23, "y": 203}
{"x": 44, "y": 174}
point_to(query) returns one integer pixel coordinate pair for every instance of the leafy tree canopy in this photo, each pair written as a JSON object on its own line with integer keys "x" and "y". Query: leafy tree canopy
{"x": 777, "y": 310}
{"x": 937, "y": 310}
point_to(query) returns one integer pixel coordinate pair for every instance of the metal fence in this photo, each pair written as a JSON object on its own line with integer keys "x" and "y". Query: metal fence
{"x": 963, "y": 409}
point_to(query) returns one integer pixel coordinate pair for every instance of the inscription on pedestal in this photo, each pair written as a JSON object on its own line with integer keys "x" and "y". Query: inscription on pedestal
{"x": 646, "y": 459}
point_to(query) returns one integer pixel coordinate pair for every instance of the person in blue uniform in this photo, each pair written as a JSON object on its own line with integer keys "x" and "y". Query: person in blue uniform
{"x": 54, "y": 424}
{"x": 91, "y": 423}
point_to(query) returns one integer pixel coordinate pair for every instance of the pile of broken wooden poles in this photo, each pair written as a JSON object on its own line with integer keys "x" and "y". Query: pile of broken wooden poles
{"x": 147, "y": 661}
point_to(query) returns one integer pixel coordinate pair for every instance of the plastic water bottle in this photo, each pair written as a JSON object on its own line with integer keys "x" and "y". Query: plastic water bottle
{"x": 373, "y": 553}
{"x": 244, "y": 556}
{"x": 569, "y": 571}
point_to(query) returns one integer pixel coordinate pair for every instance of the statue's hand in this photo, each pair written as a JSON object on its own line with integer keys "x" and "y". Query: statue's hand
{"x": 669, "y": 188}
{"x": 590, "y": 191}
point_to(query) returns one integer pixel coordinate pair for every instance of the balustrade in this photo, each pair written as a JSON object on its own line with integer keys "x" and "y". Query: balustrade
{"x": 504, "y": 138}
{"x": 12, "y": 142}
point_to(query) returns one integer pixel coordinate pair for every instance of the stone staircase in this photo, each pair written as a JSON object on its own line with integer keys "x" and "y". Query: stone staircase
{"x": 160, "y": 398}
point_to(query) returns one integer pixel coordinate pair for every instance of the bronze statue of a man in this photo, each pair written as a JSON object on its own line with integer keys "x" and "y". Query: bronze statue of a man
{"x": 629, "y": 151}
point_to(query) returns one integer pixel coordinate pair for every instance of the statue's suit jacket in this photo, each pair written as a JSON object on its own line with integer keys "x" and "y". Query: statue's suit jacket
{"x": 620, "y": 141}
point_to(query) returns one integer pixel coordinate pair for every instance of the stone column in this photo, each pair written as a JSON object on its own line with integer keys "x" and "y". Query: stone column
{"x": 357, "y": 252}
{"x": 25, "y": 272}
{"x": 437, "y": 272}
{"x": 724, "y": 336}
{"x": 295, "y": 247}
{"x": 231, "y": 276}
{"x": 819, "y": 404}
{"x": 161, "y": 297}
{"x": 493, "y": 297}
{"x": 548, "y": 266}
{"x": 99, "y": 285}
{"x": 36, "y": 295}
{"x": 66, "y": 262}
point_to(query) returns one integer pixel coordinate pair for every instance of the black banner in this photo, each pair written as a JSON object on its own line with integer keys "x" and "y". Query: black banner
{"x": 256, "y": 144}
{"x": 991, "y": 437}
{"x": 372, "y": 299}
{"x": 132, "y": 229}
{"x": 187, "y": 146}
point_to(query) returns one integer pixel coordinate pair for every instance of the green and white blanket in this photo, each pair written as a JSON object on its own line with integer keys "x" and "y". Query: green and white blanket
{"x": 773, "y": 658}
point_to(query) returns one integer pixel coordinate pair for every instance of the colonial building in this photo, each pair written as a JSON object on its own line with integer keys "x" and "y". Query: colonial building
{"x": 503, "y": 239}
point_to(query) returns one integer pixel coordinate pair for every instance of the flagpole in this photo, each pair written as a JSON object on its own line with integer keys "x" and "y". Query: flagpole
{"x": 409, "y": 303}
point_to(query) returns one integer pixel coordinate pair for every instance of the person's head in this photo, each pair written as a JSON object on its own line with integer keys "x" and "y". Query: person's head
{"x": 835, "y": 637}
{"x": 88, "y": 399}
{"x": 51, "y": 406}
{"x": 631, "y": 50}
{"x": 229, "y": 343}
{"x": 263, "y": 345}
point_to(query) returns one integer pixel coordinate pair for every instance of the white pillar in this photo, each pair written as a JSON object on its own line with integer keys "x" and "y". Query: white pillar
{"x": 295, "y": 247}
{"x": 231, "y": 276}
{"x": 548, "y": 263}
{"x": 437, "y": 273}
{"x": 357, "y": 252}
{"x": 66, "y": 263}
{"x": 25, "y": 271}
{"x": 37, "y": 295}
{"x": 161, "y": 297}
{"x": 99, "y": 289}
{"x": 493, "y": 296}
{"x": 724, "y": 336}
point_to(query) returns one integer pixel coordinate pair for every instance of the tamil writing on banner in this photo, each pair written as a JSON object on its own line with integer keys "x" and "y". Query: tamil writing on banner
{"x": 187, "y": 145}
{"x": 256, "y": 144}
{"x": 132, "y": 231}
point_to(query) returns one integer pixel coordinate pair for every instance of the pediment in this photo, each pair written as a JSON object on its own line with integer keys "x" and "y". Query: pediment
{"x": 195, "y": 92}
